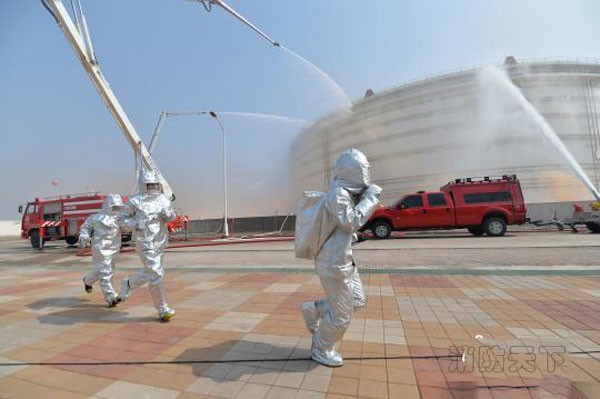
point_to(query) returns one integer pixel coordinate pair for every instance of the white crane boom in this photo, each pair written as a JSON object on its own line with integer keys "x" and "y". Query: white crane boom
{"x": 77, "y": 34}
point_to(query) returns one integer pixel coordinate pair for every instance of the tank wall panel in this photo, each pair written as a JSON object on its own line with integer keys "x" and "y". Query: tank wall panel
{"x": 421, "y": 135}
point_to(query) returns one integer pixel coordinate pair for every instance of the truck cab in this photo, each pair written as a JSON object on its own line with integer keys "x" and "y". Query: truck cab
{"x": 424, "y": 209}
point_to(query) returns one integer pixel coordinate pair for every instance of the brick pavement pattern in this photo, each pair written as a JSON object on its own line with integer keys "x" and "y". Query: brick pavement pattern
{"x": 246, "y": 330}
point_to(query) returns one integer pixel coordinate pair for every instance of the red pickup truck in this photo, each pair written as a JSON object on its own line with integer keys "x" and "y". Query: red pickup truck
{"x": 483, "y": 206}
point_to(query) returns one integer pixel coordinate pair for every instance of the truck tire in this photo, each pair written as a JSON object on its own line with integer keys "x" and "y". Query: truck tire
{"x": 594, "y": 227}
{"x": 72, "y": 240}
{"x": 34, "y": 239}
{"x": 476, "y": 230}
{"x": 494, "y": 227}
{"x": 381, "y": 229}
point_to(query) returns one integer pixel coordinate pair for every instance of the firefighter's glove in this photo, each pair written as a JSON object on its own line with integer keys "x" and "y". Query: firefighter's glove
{"x": 373, "y": 190}
{"x": 168, "y": 214}
{"x": 84, "y": 241}
{"x": 128, "y": 223}
{"x": 141, "y": 225}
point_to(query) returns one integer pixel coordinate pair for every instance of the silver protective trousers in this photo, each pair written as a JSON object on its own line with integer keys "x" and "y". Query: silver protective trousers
{"x": 344, "y": 293}
{"x": 103, "y": 273}
{"x": 153, "y": 274}
{"x": 338, "y": 286}
{"x": 359, "y": 297}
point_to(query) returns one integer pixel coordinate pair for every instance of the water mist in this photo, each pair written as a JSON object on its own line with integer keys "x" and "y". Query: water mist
{"x": 503, "y": 82}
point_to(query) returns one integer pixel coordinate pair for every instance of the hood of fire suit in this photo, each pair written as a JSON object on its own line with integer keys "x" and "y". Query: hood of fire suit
{"x": 112, "y": 201}
{"x": 351, "y": 171}
{"x": 148, "y": 177}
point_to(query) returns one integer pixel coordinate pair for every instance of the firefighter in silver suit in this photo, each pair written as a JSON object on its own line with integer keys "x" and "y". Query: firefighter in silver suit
{"x": 351, "y": 200}
{"x": 147, "y": 215}
{"x": 103, "y": 231}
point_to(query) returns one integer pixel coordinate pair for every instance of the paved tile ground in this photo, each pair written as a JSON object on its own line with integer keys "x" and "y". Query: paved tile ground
{"x": 439, "y": 249}
{"x": 240, "y": 335}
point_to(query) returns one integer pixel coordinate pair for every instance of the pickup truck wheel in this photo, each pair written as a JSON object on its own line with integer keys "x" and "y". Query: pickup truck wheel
{"x": 72, "y": 240}
{"x": 476, "y": 231}
{"x": 494, "y": 227}
{"x": 34, "y": 239}
{"x": 593, "y": 227}
{"x": 381, "y": 229}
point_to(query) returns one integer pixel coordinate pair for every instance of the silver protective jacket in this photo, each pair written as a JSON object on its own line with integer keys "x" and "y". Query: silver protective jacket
{"x": 103, "y": 231}
{"x": 351, "y": 200}
{"x": 147, "y": 216}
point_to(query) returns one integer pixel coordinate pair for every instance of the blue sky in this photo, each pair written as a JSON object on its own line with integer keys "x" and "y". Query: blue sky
{"x": 171, "y": 54}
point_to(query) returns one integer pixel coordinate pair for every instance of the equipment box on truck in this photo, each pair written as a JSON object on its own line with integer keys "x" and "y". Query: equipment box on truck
{"x": 483, "y": 206}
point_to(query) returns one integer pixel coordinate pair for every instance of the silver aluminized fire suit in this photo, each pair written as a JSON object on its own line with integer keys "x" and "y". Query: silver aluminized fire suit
{"x": 103, "y": 231}
{"x": 351, "y": 200}
{"x": 147, "y": 215}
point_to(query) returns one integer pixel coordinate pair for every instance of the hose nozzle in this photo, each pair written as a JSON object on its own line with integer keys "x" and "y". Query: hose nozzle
{"x": 208, "y": 7}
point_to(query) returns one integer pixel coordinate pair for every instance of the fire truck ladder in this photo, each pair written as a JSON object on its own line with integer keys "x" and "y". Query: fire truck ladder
{"x": 76, "y": 33}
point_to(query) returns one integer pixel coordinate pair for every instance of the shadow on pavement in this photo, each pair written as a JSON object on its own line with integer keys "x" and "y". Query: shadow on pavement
{"x": 232, "y": 360}
{"x": 65, "y": 302}
{"x": 80, "y": 310}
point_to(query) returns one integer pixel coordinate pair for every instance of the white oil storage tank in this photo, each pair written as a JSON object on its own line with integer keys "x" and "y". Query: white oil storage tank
{"x": 424, "y": 133}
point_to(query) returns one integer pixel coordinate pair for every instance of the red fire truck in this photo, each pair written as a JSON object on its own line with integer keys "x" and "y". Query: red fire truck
{"x": 58, "y": 218}
{"x": 483, "y": 206}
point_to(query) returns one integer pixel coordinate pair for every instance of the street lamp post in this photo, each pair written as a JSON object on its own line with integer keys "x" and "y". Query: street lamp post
{"x": 213, "y": 114}
{"x": 225, "y": 222}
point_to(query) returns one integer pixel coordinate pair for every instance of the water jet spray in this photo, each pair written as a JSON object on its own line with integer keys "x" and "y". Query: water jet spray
{"x": 506, "y": 85}
{"x": 340, "y": 95}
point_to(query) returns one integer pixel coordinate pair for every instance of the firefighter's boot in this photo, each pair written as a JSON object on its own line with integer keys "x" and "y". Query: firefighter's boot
{"x": 326, "y": 356}
{"x": 87, "y": 288}
{"x": 166, "y": 314}
{"x": 125, "y": 290}
{"x": 157, "y": 292}
{"x": 112, "y": 302}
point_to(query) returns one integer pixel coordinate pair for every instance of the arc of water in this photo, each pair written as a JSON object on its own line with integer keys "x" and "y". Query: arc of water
{"x": 504, "y": 83}
{"x": 269, "y": 117}
{"x": 340, "y": 95}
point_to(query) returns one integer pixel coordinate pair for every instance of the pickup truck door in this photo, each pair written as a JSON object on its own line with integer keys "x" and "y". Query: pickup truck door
{"x": 410, "y": 213}
{"x": 440, "y": 210}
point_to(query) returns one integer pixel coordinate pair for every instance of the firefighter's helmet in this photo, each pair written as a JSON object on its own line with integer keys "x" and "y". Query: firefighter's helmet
{"x": 113, "y": 202}
{"x": 149, "y": 182}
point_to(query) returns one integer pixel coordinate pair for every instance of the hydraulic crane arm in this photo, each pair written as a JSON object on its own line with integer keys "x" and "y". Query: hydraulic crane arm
{"x": 208, "y": 7}
{"x": 77, "y": 34}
